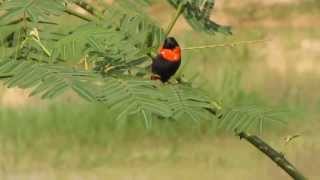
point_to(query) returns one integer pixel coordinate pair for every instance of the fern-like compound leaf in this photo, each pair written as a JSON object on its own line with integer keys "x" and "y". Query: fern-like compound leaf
{"x": 198, "y": 13}
{"x": 48, "y": 80}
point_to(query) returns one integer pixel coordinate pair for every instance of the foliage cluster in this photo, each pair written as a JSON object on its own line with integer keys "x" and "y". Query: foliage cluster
{"x": 104, "y": 56}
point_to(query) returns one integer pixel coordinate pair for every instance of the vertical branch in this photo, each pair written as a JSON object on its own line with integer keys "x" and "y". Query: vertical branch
{"x": 275, "y": 156}
{"x": 175, "y": 18}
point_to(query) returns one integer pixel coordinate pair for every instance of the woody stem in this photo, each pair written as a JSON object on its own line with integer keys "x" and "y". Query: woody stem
{"x": 175, "y": 18}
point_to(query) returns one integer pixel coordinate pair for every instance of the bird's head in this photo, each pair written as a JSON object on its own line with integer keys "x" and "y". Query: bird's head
{"x": 170, "y": 43}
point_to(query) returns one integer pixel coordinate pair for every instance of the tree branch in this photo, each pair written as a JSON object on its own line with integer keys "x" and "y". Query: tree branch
{"x": 90, "y": 9}
{"x": 275, "y": 156}
{"x": 5, "y": 76}
{"x": 179, "y": 11}
{"x": 70, "y": 10}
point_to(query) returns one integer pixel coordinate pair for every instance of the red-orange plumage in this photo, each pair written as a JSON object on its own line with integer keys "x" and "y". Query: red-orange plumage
{"x": 171, "y": 54}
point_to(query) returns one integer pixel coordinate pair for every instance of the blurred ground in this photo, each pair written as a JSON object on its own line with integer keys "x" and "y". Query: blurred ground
{"x": 283, "y": 72}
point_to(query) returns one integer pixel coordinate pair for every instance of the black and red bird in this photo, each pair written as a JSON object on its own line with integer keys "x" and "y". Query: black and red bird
{"x": 168, "y": 60}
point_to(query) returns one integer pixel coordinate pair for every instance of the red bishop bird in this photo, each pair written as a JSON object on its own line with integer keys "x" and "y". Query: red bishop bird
{"x": 167, "y": 62}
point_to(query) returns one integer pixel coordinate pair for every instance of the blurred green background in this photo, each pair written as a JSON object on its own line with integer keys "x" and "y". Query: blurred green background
{"x": 67, "y": 138}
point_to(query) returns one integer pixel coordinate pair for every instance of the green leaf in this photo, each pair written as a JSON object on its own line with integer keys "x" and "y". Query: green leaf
{"x": 33, "y": 10}
{"x": 244, "y": 117}
{"x": 49, "y": 80}
{"x": 83, "y": 92}
{"x": 198, "y": 13}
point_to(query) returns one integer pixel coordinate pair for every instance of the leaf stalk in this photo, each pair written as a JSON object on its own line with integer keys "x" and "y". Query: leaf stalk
{"x": 227, "y": 44}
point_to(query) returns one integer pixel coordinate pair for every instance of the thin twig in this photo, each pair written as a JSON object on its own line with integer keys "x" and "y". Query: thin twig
{"x": 5, "y": 76}
{"x": 227, "y": 44}
{"x": 70, "y": 10}
{"x": 275, "y": 156}
{"x": 90, "y": 9}
{"x": 175, "y": 18}
{"x": 34, "y": 35}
